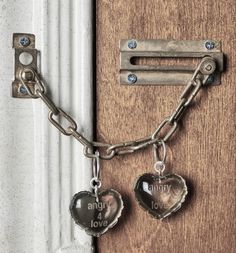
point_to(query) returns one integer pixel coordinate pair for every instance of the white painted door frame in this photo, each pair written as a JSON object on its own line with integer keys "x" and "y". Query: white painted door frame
{"x": 40, "y": 169}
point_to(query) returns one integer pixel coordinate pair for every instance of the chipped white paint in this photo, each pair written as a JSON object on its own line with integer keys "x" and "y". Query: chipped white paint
{"x": 40, "y": 169}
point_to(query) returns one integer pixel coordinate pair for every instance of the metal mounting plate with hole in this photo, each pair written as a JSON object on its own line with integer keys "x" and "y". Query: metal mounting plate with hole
{"x": 25, "y": 58}
{"x": 174, "y": 74}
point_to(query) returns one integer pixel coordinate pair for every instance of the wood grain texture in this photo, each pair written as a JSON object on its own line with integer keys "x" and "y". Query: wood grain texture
{"x": 202, "y": 151}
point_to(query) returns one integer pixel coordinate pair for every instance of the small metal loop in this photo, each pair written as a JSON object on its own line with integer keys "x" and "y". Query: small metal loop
{"x": 50, "y": 104}
{"x": 159, "y": 167}
{"x": 95, "y": 183}
{"x": 162, "y": 144}
{"x": 59, "y": 126}
{"x": 96, "y": 165}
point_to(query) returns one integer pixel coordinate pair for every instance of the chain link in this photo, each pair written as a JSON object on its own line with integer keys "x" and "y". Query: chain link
{"x": 163, "y": 132}
{"x": 59, "y": 126}
{"x": 50, "y": 104}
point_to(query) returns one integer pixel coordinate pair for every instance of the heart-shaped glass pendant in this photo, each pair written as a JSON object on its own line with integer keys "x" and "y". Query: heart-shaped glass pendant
{"x": 96, "y": 214}
{"x": 160, "y": 195}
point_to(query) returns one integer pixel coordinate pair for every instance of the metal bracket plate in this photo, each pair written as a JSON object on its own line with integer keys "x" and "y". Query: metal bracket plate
{"x": 25, "y": 57}
{"x": 166, "y": 75}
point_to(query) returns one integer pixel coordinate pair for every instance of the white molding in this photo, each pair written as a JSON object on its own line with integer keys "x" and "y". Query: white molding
{"x": 40, "y": 169}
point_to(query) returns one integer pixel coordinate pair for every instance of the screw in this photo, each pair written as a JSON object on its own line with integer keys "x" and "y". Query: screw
{"x": 24, "y": 41}
{"x": 132, "y": 44}
{"x": 210, "y": 79}
{"x": 210, "y": 45}
{"x": 23, "y": 90}
{"x": 132, "y": 78}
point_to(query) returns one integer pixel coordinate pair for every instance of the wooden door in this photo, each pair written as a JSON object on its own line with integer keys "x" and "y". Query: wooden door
{"x": 202, "y": 150}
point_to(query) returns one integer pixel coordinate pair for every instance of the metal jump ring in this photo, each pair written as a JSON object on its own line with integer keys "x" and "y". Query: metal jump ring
{"x": 95, "y": 183}
{"x": 155, "y": 147}
{"x": 159, "y": 167}
{"x": 96, "y": 165}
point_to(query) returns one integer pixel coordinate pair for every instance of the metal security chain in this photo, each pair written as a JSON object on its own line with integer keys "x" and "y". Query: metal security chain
{"x": 163, "y": 133}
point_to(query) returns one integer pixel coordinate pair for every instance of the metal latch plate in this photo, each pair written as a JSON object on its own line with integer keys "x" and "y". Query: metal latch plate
{"x": 166, "y": 75}
{"x": 25, "y": 57}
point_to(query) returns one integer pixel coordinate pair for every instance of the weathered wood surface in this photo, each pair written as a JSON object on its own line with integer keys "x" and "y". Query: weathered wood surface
{"x": 203, "y": 150}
